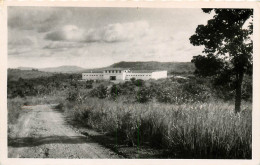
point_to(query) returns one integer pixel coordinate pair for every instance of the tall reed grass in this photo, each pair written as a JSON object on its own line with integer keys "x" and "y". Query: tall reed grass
{"x": 209, "y": 130}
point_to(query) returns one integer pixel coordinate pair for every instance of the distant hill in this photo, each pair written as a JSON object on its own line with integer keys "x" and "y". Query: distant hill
{"x": 177, "y": 67}
{"x": 60, "y": 69}
{"x": 26, "y": 68}
{"x": 63, "y": 69}
{"x": 15, "y": 74}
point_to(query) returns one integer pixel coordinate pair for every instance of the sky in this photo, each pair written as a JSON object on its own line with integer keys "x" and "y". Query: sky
{"x": 96, "y": 37}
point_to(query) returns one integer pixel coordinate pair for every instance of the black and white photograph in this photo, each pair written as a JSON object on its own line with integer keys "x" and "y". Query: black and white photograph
{"x": 129, "y": 82}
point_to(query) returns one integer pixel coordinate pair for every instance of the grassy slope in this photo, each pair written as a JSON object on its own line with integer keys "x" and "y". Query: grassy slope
{"x": 152, "y": 65}
{"x": 15, "y": 74}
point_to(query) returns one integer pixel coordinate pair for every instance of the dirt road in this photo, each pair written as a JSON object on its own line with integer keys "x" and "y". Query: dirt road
{"x": 43, "y": 133}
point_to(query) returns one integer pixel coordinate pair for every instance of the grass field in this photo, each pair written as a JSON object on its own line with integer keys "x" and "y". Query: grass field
{"x": 210, "y": 130}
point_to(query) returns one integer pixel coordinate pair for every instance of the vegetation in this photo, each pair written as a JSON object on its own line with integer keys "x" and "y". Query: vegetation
{"x": 15, "y": 74}
{"x": 209, "y": 130}
{"x": 186, "y": 118}
{"x": 228, "y": 48}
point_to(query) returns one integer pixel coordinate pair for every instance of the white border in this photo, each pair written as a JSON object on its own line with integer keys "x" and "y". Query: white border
{"x": 124, "y": 3}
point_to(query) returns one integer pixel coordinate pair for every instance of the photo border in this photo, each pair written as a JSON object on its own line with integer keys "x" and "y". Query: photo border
{"x": 145, "y": 4}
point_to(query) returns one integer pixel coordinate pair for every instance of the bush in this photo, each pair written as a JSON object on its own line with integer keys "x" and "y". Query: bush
{"x": 139, "y": 82}
{"x": 132, "y": 79}
{"x": 179, "y": 93}
{"x": 115, "y": 91}
{"x": 72, "y": 95}
{"x": 143, "y": 95}
{"x": 101, "y": 92}
{"x": 89, "y": 84}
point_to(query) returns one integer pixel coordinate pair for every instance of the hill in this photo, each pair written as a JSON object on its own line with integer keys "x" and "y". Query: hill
{"x": 176, "y": 67}
{"x": 15, "y": 74}
{"x": 26, "y": 68}
{"x": 63, "y": 69}
{"x": 60, "y": 69}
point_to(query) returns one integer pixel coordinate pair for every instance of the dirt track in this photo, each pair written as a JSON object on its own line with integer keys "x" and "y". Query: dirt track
{"x": 42, "y": 133}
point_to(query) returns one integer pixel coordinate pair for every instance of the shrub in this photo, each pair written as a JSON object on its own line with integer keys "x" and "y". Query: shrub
{"x": 72, "y": 95}
{"x": 139, "y": 82}
{"x": 101, "y": 92}
{"x": 89, "y": 84}
{"x": 143, "y": 95}
{"x": 115, "y": 91}
{"x": 132, "y": 79}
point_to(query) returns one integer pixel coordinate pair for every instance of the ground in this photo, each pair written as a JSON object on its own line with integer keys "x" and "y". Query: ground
{"x": 42, "y": 132}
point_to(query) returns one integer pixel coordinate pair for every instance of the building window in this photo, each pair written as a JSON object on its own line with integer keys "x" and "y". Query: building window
{"x": 109, "y": 71}
{"x": 120, "y": 71}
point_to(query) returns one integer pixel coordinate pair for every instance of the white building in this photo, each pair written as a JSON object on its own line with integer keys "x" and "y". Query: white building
{"x": 124, "y": 74}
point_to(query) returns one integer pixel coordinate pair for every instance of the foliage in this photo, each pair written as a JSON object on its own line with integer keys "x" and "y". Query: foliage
{"x": 189, "y": 91}
{"x": 143, "y": 95}
{"x": 196, "y": 130}
{"x": 228, "y": 48}
{"x": 89, "y": 84}
{"x": 15, "y": 74}
{"x": 72, "y": 95}
{"x": 41, "y": 85}
{"x": 101, "y": 92}
{"x": 181, "y": 116}
{"x": 139, "y": 82}
{"x": 115, "y": 91}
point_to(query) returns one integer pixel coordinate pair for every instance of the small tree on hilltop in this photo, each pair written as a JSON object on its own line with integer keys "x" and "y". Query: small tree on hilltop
{"x": 228, "y": 48}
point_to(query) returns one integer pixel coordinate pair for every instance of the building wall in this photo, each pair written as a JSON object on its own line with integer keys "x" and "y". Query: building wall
{"x": 92, "y": 76}
{"x": 124, "y": 75}
{"x": 159, "y": 74}
{"x": 143, "y": 76}
{"x": 120, "y": 74}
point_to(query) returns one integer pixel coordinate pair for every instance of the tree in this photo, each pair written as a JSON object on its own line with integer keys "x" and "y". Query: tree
{"x": 228, "y": 47}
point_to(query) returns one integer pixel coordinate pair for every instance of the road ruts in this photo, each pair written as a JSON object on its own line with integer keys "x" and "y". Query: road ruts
{"x": 42, "y": 132}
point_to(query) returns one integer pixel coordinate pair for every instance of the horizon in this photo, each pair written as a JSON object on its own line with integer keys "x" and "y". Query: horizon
{"x": 91, "y": 68}
{"x": 43, "y": 37}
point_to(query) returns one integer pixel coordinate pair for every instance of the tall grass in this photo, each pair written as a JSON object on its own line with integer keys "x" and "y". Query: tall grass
{"x": 209, "y": 130}
{"x": 15, "y": 105}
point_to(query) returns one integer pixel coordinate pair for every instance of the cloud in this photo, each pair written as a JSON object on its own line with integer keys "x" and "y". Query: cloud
{"x": 21, "y": 41}
{"x": 28, "y": 18}
{"x": 67, "y": 33}
{"x": 63, "y": 45}
{"x": 118, "y": 32}
{"x": 19, "y": 51}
